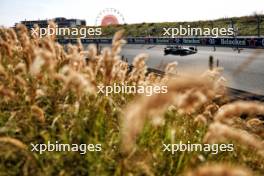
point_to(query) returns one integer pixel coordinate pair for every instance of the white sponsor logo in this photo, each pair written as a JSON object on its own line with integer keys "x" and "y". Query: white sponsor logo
{"x": 212, "y": 41}
{"x": 233, "y": 42}
{"x": 177, "y": 41}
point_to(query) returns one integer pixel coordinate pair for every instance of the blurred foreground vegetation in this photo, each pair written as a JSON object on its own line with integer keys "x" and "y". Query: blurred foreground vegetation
{"x": 47, "y": 94}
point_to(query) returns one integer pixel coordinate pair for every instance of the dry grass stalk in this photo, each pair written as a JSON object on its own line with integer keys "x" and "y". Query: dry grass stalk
{"x": 3, "y": 71}
{"x": 210, "y": 110}
{"x": 137, "y": 76}
{"x": 200, "y": 119}
{"x": 118, "y": 42}
{"x": 75, "y": 81}
{"x": 14, "y": 142}
{"x": 153, "y": 79}
{"x": 218, "y": 132}
{"x": 189, "y": 101}
{"x": 219, "y": 170}
{"x": 137, "y": 112}
{"x": 228, "y": 111}
{"x": 107, "y": 64}
{"x": 254, "y": 122}
{"x": 38, "y": 113}
{"x": 7, "y": 93}
{"x": 170, "y": 71}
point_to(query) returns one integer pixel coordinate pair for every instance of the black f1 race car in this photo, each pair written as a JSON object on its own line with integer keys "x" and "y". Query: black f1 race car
{"x": 178, "y": 50}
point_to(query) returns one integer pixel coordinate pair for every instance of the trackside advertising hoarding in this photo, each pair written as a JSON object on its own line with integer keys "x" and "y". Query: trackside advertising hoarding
{"x": 247, "y": 42}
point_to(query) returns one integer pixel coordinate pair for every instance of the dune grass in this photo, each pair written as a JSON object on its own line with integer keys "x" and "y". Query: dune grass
{"x": 49, "y": 95}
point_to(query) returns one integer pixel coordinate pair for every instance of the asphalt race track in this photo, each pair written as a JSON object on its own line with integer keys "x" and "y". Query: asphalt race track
{"x": 250, "y": 79}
